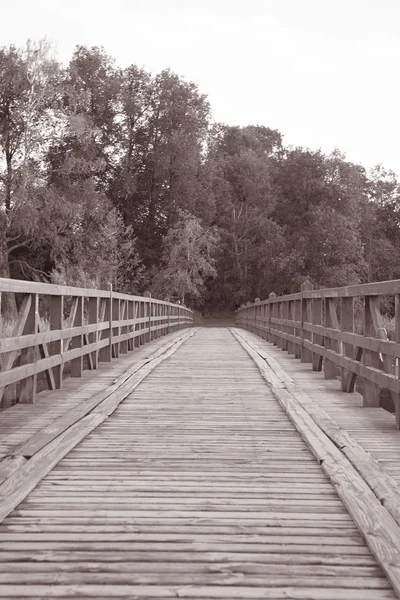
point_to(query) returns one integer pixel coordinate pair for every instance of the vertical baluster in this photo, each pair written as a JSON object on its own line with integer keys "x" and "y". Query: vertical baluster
{"x": 77, "y": 340}
{"x": 317, "y": 337}
{"x": 306, "y": 354}
{"x": 346, "y": 324}
{"x": 27, "y": 392}
{"x": 105, "y": 353}
{"x": 298, "y": 319}
{"x": 93, "y": 318}
{"x": 370, "y": 358}
{"x": 331, "y": 322}
{"x": 56, "y": 347}
{"x": 131, "y": 327}
{"x": 396, "y": 397}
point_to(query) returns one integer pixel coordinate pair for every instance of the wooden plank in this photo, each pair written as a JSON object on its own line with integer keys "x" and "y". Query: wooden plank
{"x": 370, "y": 359}
{"x": 25, "y": 479}
{"x": 27, "y": 391}
{"x": 57, "y": 323}
{"x": 383, "y": 485}
{"x": 197, "y": 475}
{"x": 380, "y": 530}
{"x": 44, "y": 353}
{"x": 50, "y": 432}
{"x": 189, "y": 592}
{"x": 18, "y": 330}
{"x": 9, "y": 464}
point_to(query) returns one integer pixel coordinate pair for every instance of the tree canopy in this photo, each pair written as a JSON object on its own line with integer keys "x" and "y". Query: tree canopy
{"x": 117, "y": 175}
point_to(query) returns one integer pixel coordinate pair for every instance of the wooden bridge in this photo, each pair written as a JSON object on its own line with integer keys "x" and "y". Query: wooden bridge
{"x": 185, "y": 462}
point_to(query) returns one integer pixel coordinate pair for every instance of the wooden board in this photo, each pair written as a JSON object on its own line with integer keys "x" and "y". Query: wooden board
{"x": 197, "y": 486}
{"x": 380, "y": 530}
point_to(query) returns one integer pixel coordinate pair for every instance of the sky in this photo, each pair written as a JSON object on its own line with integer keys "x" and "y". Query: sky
{"x": 325, "y": 73}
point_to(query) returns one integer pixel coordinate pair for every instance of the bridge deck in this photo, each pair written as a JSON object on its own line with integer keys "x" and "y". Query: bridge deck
{"x": 373, "y": 428}
{"x": 197, "y": 486}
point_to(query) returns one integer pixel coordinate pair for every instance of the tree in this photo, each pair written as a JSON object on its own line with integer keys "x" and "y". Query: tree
{"x": 164, "y": 124}
{"x": 319, "y": 203}
{"x": 241, "y": 160}
{"x": 188, "y": 259}
{"x": 27, "y": 122}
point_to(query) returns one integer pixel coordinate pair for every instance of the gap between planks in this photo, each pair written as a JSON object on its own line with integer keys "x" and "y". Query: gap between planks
{"x": 380, "y": 530}
{"x": 63, "y": 439}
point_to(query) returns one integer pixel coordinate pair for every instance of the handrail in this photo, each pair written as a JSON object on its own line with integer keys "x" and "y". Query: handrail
{"x": 319, "y": 327}
{"x": 86, "y": 326}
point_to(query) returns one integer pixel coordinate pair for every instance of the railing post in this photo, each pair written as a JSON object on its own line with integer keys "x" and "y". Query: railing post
{"x": 137, "y": 326}
{"x": 256, "y": 315}
{"x": 285, "y": 316}
{"x": 316, "y": 307}
{"x": 346, "y": 324}
{"x": 331, "y": 322}
{"x": 298, "y": 331}
{"x": 105, "y": 353}
{"x": 131, "y": 328}
{"x": 370, "y": 358}
{"x": 292, "y": 330}
{"x": 270, "y": 316}
{"x": 263, "y": 316}
{"x": 278, "y": 326}
{"x": 28, "y": 355}
{"x": 57, "y": 323}
{"x": 306, "y": 354}
{"x": 115, "y": 315}
{"x": 141, "y": 313}
{"x": 93, "y": 317}
{"x": 77, "y": 340}
{"x": 396, "y": 397}
{"x": 149, "y": 309}
{"x": 123, "y": 348}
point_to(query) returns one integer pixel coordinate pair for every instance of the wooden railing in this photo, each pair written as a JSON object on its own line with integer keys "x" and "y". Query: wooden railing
{"x": 338, "y": 329}
{"x": 59, "y": 327}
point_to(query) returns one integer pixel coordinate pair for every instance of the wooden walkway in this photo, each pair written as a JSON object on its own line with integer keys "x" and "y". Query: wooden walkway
{"x": 198, "y": 485}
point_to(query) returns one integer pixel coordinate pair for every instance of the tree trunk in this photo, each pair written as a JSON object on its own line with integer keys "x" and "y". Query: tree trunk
{"x": 8, "y": 305}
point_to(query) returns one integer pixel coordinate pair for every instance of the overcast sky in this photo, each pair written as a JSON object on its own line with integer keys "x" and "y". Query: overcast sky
{"x": 323, "y": 72}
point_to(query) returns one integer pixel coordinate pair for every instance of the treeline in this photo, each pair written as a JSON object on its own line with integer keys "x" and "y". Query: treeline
{"x": 111, "y": 175}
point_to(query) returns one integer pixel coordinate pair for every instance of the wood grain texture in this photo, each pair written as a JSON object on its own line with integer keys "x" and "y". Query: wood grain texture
{"x": 25, "y": 478}
{"x": 196, "y": 486}
{"x": 377, "y": 525}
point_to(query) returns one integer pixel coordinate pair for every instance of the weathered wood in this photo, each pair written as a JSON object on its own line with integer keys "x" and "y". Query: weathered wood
{"x": 18, "y": 330}
{"x": 9, "y": 464}
{"x": 57, "y": 323}
{"x": 93, "y": 318}
{"x": 331, "y": 321}
{"x": 197, "y": 485}
{"x": 316, "y": 338}
{"x": 395, "y": 396}
{"x": 49, "y": 433}
{"x": 384, "y": 486}
{"x": 373, "y": 347}
{"x": 346, "y": 324}
{"x": 37, "y": 351}
{"x": 370, "y": 359}
{"x": 306, "y": 317}
{"x": 25, "y": 479}
{"x": 44, "y": 353}
{"x": 27, "y": 391}
{"x": 380, "y": 530}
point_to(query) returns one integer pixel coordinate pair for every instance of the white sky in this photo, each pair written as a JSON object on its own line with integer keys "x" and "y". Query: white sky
{"x": 323, "y": 72}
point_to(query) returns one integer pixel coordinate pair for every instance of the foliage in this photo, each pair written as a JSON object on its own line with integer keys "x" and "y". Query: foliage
{"x": 111, "y": 175}
{"x": 187, "y": 259}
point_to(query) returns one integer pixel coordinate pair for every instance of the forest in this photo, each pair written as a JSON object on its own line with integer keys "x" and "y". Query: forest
{"x": 117, "y": 176}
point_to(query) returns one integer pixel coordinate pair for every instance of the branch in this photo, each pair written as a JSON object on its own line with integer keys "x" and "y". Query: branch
{"x": 22, "y": 262}
{"x": 25, "y": 243}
